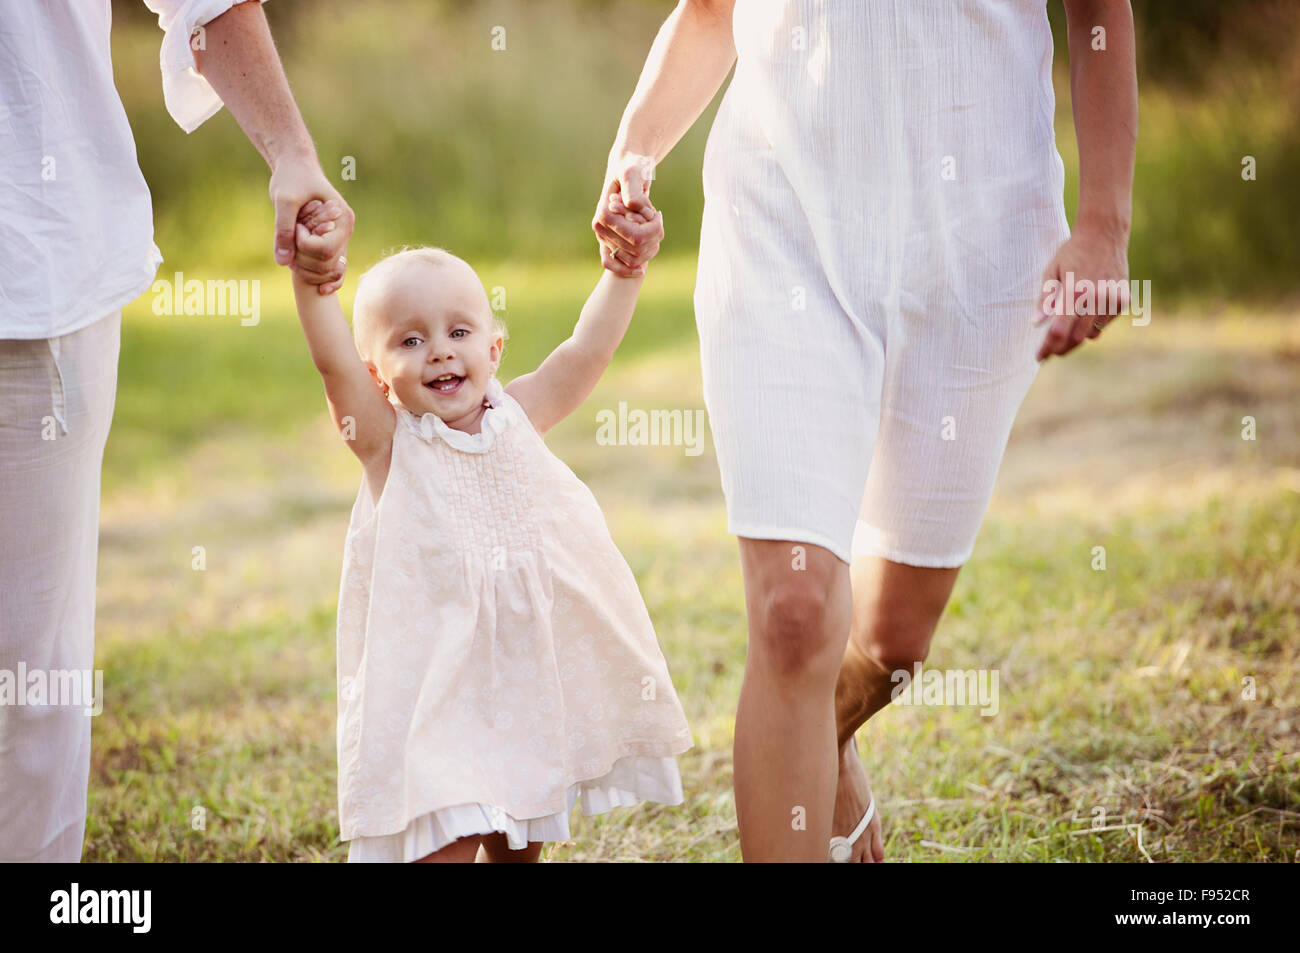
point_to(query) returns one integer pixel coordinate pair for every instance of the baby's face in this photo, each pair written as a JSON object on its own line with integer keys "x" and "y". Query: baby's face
{"x": 434, "y": 347}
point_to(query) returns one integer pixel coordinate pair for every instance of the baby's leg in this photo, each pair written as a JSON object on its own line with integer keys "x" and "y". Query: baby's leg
{"x": 460, "y": 851}
{"x": 496, "y": 850}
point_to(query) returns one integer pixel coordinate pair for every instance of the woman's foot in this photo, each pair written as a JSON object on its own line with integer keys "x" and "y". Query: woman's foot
{"x": 852, "y": 795}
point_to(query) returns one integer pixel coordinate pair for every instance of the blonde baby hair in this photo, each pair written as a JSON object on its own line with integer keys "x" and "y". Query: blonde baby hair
{"x": 362, "y": 321}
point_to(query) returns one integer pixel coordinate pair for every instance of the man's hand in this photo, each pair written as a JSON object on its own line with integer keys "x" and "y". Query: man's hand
{"x": 1091, "y": 256}
{"x": 627, "y": 242}
{"x": 240, "y": 61}
{"x": 294, "y": 184}
{"x": 316, "y": 220}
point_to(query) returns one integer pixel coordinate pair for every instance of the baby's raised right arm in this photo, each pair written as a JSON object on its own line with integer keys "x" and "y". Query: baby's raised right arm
{"x": 363, "y": 415}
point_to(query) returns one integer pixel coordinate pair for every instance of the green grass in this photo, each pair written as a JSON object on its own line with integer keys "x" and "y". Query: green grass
{"x": 1121, "y": 689}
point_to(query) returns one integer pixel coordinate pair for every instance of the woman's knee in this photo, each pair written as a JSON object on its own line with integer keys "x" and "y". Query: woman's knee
{"x": 896, "y": 610}
{"x": 799, "y": 632}
{"x": 898, "y": 647}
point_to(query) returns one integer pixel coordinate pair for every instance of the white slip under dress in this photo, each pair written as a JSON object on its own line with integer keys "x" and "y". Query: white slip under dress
{"x": 496, "y": 662}
{"x": 882, "y": 194}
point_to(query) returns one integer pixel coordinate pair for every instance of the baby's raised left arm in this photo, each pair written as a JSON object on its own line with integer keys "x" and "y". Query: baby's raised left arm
{"x": 569, "y": 374}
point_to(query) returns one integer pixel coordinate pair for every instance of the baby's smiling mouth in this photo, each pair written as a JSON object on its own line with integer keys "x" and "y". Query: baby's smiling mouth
{"x": 445, "y": 384}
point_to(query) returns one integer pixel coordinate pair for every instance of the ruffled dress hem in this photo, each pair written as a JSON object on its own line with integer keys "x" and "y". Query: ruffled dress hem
{"x": 630, "y": 781}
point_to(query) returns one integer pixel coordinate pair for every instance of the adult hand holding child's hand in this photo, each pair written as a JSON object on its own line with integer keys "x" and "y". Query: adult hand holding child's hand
{"x": 629, "y": 228}
{"x": 294, "y": 187}
{"x": 317, "y": 234}
{"x": 629, "y": 219}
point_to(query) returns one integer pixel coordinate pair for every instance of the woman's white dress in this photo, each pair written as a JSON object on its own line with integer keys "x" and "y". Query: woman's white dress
{"x": 883, "y": 192}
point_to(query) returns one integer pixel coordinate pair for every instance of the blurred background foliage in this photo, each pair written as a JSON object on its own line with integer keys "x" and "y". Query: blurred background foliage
{"x": 499, "y": 155}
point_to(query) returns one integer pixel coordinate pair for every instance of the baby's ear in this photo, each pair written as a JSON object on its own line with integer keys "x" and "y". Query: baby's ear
{"x": 374, "y": 373}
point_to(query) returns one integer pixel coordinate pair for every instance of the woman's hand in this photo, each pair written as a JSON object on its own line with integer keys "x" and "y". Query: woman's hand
{"x": 1105, "y": 123}
{"x": 627, "y": 241}
{"x": 690, "y": 57}
{"x": 1084, "y": 287}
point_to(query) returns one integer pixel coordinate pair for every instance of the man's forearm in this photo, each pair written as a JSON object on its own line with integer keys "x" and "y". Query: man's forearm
{"x": 1103, "y": 87}
{"x": 689, "y": 60}
{"x": 241, "y": 63}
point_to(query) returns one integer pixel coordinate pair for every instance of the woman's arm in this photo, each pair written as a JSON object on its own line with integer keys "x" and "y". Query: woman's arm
{"x": 690, "y": 58}
{"x": 1103, "y": 89}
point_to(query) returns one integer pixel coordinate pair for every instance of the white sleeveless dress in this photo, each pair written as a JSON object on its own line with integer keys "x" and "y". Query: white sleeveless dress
{"x": 496, "y": 662}
{"x": 882, "y": 193}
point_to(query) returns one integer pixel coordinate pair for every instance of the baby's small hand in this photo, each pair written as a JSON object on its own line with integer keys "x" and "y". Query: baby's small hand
{"x": 319, "y": 217}
{"x": 315, "y": 219}
{"x": 617, "y": 207}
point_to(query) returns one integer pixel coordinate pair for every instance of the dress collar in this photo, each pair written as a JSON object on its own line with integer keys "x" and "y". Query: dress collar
{"x": 496, "y": 418}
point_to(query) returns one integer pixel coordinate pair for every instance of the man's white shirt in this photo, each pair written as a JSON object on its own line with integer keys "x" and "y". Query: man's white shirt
{"x": 76, "y": 220}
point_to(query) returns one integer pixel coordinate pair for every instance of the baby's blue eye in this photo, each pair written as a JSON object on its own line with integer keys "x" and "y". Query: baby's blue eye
{"x": 407, "y": 342}
{"x": 459, "y": 331}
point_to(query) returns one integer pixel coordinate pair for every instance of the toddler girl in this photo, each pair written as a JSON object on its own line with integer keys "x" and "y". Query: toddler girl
{"x": 495, "y": 660}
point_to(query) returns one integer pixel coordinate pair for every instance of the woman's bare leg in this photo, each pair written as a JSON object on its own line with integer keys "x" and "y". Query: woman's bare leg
{"x": 496, "y": 850}
{"x": 896, "y": 609}
{"x": 799, "y": 603}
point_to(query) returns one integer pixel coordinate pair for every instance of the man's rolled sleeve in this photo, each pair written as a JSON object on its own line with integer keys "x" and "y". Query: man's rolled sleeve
{"x": 189, "y": 97}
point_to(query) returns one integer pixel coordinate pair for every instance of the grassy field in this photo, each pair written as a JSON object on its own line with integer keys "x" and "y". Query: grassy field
{"x": 1121, "y": 690}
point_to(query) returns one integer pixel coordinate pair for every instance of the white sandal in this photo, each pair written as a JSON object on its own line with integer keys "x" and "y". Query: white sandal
{"x": 842, "y": 847}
